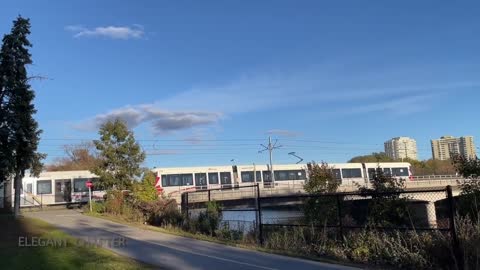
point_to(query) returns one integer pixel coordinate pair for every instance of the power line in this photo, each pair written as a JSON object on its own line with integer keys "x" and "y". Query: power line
{"x": 154, "y": 140}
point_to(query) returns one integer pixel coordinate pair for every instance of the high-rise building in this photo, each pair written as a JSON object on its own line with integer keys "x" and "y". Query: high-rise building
{"x": 447, "y": 146}
{"x": 401, "y": 147}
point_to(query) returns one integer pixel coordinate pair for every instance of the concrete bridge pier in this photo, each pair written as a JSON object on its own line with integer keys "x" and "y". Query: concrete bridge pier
{"x": 431, "y": 215}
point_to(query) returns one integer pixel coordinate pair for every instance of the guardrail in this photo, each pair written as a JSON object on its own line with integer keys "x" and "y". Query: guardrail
{"x": 435, "y": 177}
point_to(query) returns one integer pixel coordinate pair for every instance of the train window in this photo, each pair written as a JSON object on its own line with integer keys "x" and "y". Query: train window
{"x": 387, "y": 171}
{"x": 281, "y": 175}
{"x": 247, "y": 177}
{"x": 258, "y": 176}
{"x": 79, "y": 185}
{"x": 225, "y": 178}
{"x": 213, "y": 178}
{"x": 301, "y": 175}
{"x": 336, "y": 173}
{"x": 187, "y": 179}
{"x": 164, "y": 180}
{"x": 290, "y": 175}
{"x": 44, "y": 187}
{"x": 29, "y": 188}
{"x": 174, "y": 180}
{"x": 352, "y": 173}
{"x": 400, "y": 171}
{"x": 200, "y": 179}
{"x": 266, "y": 176}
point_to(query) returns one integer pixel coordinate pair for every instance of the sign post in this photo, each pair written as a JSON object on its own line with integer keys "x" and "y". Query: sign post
{"x": 89, "y": 184}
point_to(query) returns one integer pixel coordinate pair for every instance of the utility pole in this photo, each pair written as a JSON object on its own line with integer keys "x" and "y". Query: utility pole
{"x": 270, "y": 149}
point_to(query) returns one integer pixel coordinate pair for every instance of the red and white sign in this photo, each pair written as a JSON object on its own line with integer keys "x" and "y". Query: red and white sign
{"x": 89, "y": 184}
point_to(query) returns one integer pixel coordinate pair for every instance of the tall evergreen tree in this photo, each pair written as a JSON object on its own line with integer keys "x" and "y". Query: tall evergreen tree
{"x": 120, "y": 156}
{"x": 19, "y": 132}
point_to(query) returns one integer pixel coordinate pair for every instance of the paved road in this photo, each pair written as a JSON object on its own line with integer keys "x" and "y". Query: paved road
{"x": 173, "y": 252}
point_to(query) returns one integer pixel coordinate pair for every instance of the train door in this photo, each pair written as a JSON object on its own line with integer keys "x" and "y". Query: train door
{"x": 235, "y": 176}
{"x": 63, "y": 190}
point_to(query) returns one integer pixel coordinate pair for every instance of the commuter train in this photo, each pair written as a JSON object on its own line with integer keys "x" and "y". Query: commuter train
{"x": 59, "y": 187}
{"x": 70, "y": 186}
{"x": 177, "y": 180}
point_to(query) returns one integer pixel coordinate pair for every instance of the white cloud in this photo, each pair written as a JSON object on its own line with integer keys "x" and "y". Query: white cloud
{"x": 114, "y": 32}
{"x": 161, "y": 121}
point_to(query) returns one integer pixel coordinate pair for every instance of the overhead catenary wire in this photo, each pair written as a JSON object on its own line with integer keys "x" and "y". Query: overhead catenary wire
{"x": 162, "y": 149}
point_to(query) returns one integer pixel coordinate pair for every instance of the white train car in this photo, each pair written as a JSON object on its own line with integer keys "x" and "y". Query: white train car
{"x": 176, "y": 180}
{"x": 58, "y": 188}
{"x": 395, "y": 169}
{"x": 348, "y": 173}
{"x": 284, "y": 174}
{"x": 362, "y": 173}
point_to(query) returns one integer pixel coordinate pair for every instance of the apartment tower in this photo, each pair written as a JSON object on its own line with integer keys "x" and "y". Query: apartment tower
{"x": 401, "y": 147}
{"x": 447, "y": 146}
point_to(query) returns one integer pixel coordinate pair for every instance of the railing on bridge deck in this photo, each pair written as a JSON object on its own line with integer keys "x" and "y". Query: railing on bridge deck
{"x": 435, "y": 177}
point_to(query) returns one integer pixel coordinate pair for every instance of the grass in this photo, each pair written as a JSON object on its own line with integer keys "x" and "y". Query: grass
{"x": 71, "y": 256}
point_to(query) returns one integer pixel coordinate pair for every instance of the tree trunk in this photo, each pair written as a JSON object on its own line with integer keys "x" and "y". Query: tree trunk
{"x": 18, "y": 191}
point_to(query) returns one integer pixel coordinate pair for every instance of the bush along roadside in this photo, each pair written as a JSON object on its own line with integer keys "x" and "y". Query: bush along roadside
{"x": 394, "y": 249}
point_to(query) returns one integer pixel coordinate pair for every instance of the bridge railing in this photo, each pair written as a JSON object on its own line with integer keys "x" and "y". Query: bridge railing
{"x": 435, "y": 177}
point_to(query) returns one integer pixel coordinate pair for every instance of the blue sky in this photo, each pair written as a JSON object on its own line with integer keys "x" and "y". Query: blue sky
{"x": 204, "y": 82}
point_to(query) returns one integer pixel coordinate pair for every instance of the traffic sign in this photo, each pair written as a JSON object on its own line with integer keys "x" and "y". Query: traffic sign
{"x": 89, "y": 185}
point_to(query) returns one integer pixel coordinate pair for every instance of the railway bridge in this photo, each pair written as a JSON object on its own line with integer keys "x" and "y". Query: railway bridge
{"x": 250, "y": 191}
{"x": 423, "y": 194}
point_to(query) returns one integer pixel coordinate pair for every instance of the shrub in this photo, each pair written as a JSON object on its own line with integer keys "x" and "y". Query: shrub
{"x": 144, "y": 190}
{"x": 131, "y": 213}
{"x": 397, "y": 249}
{"x": 97, "y": 207}
{"x": 114, "y": 202}
{"x": 469, "y": 239}
{"x": 227, "y": 234}
{"x": 162, "y": 212}
{"x": 208, "y": 221}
